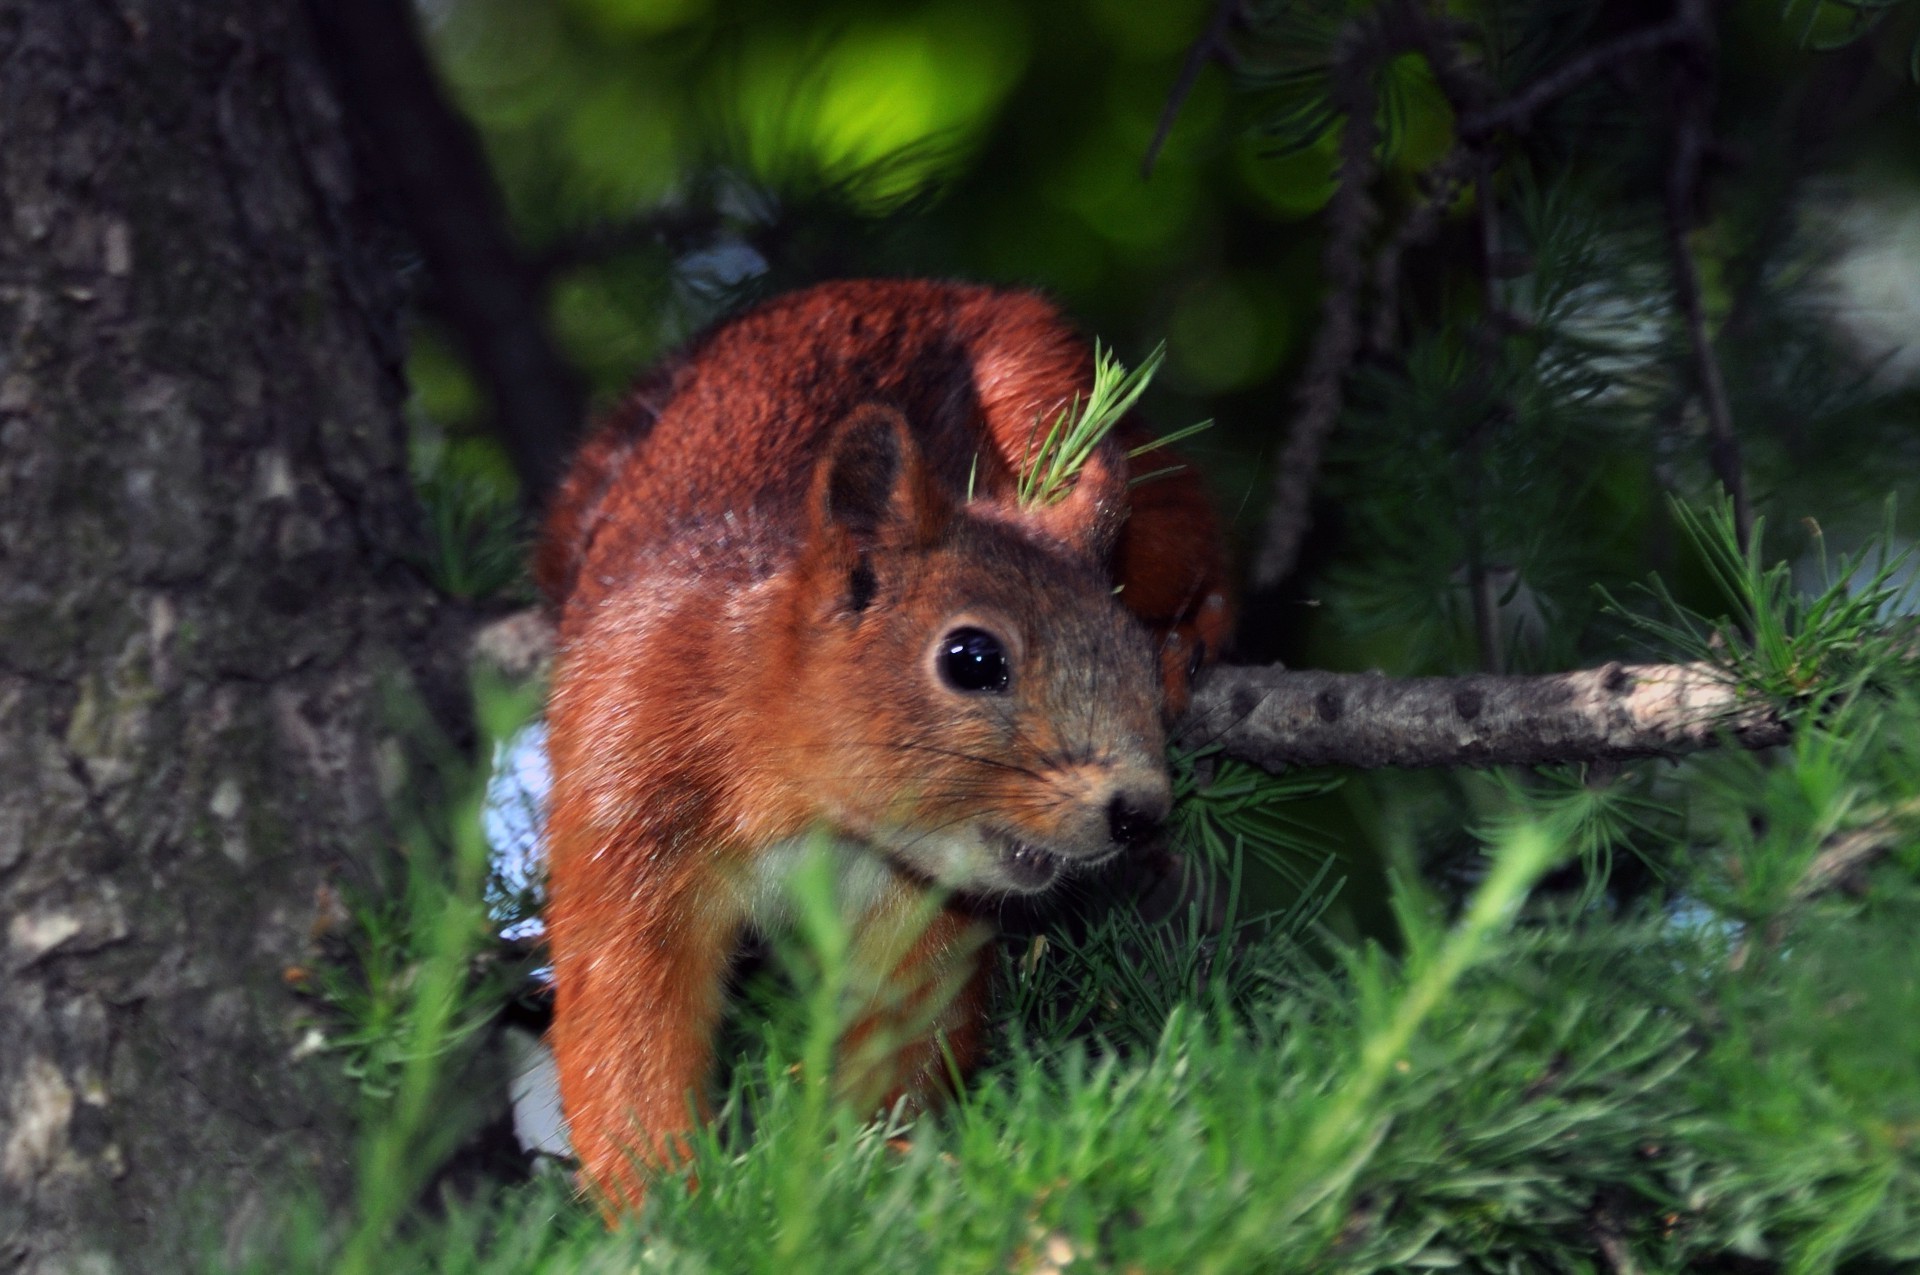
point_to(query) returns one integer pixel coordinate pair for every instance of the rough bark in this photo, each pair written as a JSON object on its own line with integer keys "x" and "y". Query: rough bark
{"x": 204, "y": 603}
{"x": 1277, "y": 717}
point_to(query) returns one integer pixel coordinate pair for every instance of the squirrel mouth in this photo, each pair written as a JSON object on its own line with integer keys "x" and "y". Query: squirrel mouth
{"x": 1028, "y": 866}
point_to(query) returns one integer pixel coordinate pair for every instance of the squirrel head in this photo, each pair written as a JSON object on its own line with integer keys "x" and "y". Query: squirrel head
{"x": 982, "y": 709}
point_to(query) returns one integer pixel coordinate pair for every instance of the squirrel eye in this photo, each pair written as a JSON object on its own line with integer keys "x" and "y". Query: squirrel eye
{"x": 972, "y": 660}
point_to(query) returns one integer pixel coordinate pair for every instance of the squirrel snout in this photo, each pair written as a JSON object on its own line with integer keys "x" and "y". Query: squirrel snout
{"x": 1133, "y": 817}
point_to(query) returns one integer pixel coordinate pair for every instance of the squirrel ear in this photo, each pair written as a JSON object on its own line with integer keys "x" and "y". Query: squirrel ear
{"x": 1087, "y": 520}
{"x": 871, "y": 486}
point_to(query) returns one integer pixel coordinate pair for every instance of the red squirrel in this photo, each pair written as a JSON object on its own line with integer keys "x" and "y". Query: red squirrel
{"x": 798, "y": 597}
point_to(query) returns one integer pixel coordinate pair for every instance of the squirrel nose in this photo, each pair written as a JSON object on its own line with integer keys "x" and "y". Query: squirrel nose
{"x": 1132, "y": 818}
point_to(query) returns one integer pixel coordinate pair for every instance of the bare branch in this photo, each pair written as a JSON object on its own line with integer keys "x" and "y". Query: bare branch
{"x": 1211, "y": 46}
{"x": 1695, "y": 102}
{"x": 1350, "y": 217}
{"x": 1519, "y": 110}
{"x": 1442, "y": 182}
{"x": 431, "y": 162}
{"x": 1844, "y": 854}
{"x": 1276, "y": 717}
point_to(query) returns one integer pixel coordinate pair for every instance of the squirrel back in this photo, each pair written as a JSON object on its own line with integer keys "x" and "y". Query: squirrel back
{"x": 797, "y": 593}
{"x": 978, "y": 373}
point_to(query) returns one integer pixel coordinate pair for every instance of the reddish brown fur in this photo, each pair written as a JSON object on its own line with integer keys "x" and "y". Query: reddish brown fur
{"x": 722, "y": 691}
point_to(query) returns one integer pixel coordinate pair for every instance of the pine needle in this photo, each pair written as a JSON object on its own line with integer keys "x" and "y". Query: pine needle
{"x": 1055, "y": 459}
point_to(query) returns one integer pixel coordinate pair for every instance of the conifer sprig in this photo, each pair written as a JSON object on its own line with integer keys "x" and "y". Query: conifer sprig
{"x": 1054, "y": 459}
{"x": 1782, "y": 642}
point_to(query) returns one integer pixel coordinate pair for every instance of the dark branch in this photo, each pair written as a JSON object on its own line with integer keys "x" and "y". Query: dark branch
{"x": 1441, "y": 183}
{"x": 1350, "y": 217}
{"x": 1277, "y": 718}
{"x": 678, "y": 230}
{"x": 1211, "y": 46}
{"x": 428, "y": 157}
{"x": 1519, "y": 110}
{"x": 1694, "y": 92}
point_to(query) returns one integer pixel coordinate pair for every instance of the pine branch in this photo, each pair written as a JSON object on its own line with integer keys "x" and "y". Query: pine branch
{"x": 1517, "y": 112}
{"x": 1277, "y": 717}
{"x": 1694, "y": 91}
{"x": 1350, "y": 218}
{"x": 1845, "y": 854}
{"x": 1364, "y": 47}
{"x": 1212, "y": 46}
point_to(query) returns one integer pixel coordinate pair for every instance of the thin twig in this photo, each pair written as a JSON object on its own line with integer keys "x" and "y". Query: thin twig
{"x": 1211, "y": 46}
{"x": 1350, "y": 217}
{"x": 1517, "y": 111}
{"x": 1694, "y": 92}
{"x": 1442, "y": 182}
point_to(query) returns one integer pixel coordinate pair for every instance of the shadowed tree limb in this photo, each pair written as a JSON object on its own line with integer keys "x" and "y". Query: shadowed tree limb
{"x": 1517, "y": 111}
{"x": 1212, "y": 46}
{"x": 1350, "y": 217}
{"x": 482, "y": 286}
{"x": 1694, "y": 93}
{"x": 1364, "y": 47}
{"x": 1441, "y": 184}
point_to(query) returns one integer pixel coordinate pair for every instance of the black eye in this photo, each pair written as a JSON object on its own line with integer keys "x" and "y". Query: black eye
{"x": 972, "y": 660}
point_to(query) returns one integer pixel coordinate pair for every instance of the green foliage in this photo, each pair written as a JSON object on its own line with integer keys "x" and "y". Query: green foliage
{"x": 1054, "y": 459}
{"x": 1784, "y": 643}
{"x": 416, "y": 980}
{"x": 476, "y": 546}
{"x": 1239, "y": 813}
{"x": 1725, "y": 1070}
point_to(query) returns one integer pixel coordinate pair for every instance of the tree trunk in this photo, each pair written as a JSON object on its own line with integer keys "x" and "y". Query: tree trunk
{"x": 205, "y": 604}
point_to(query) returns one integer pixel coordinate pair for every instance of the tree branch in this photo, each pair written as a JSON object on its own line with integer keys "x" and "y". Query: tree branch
{"x": 1277, "y": 717}
{"x": 1441, "y": 183}
{"x": 1210, "y": 47}
{"x": 1350, "y": 217}
{"x": 1694, "y": 92}
{"x": 1517, "y": 111}
{"x": 431, "y": 161}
